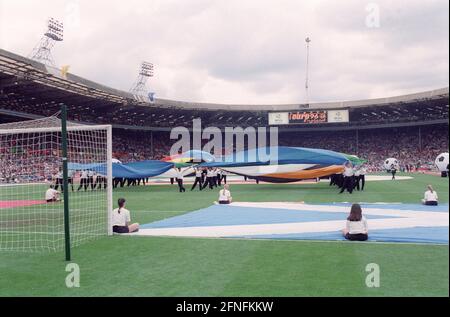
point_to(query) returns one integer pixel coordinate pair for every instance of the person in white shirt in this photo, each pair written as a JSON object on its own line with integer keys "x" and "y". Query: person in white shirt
{"x": 430, "y": 197}
{"x": 121, "y": 220}
{"x": 70, "y": 173}
{"x": 91, "y": 175}
{"x": 356, "y": 175}
{"x": 348, "y": 178}
{"x": 224, "y": 176}
{"x": 225, "y": 195}
{"x": 83, "y": 180}
{"x": 198, "y": 179}
{"x": 209, "y": 179}
{"x": 219, "y": 177}
{"x": 362, "y": 176}
{"x": 59, "y": 180}
{"x": 356, "y": 228}
{"x": 393, "y": 171}
{"x": 52, "y": 195}
{"x": 214, "y": 177}
{"x": 180, "y": 178}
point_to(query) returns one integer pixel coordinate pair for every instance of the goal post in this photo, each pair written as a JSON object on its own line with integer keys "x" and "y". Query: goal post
{"x": 31, "y": 162}
{"x": 65, "y": 182}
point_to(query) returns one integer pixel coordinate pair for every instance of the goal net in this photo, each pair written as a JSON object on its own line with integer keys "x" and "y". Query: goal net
{"x": 31, "y": 215}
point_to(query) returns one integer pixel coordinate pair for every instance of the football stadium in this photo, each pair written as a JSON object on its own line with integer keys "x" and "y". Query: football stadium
{"x": 222, "y": 199}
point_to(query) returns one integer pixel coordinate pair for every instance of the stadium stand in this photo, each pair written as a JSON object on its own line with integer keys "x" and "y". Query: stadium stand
{"x": 407, "y": 127}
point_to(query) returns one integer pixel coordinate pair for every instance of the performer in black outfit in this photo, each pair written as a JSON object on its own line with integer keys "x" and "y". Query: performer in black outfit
{"x": 214, "y": 177}
{"x": 333, "y": 179}
{"x": 59, "y": 181}
{"x": 219, "y": 177}
{"x": 209, "y": 179}
{"x": 180, "y": 178}
{"x": 393, "y": 171}
{"x": 348, "y": 182}
{"x": 224, "y": 176}
{"x": 362, "y": 177}
{"x": 83, "y": 180}
{"x": 198, "y": 179}
{"x": 90, "y": 179}
{"x": 204, "y": 172}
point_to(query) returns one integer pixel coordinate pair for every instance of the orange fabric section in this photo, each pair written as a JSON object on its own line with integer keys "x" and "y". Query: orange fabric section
{"x": 305, "y": 174}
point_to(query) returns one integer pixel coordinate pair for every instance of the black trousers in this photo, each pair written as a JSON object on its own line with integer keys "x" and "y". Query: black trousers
{"x": 198, "y": 180}
{"x": 333, "y": 179}
{"x": 362, "y": 179}
{"x": 209, "y": 181}
{"x": 224, "y": 179}
{"x": 99, "y": 181}
{"x": 393, "y": 174}
{"x": 347, "y": 184}
{"x": 59, "y": 182}
{"x": 70, "y": 181}
{"x": 90, "y": 182}
{"x": 356, "y": 237}
{"x": 180, "y": 185}
{"x": 83, "y": 183}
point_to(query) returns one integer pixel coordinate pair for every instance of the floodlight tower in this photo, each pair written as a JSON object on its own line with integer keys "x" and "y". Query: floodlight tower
{"x": 42, "y": 51}
{"x": 307, "y": 40}
{"x": 145, "y": 72}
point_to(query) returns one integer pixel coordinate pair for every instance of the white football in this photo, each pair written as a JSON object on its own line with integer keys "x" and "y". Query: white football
{"x": 442, "y": 162}
{"x": 115, "y": 161}
{"x": 389, "y": 162}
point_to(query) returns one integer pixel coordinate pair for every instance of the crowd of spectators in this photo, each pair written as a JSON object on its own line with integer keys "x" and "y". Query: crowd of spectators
{"x": 411, "y": 148}
{"x": 129, "y": 146}
{"x": 25, "y": 160}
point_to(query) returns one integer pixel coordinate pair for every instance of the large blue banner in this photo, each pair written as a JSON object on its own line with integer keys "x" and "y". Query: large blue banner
{"x": 142, "y": 169}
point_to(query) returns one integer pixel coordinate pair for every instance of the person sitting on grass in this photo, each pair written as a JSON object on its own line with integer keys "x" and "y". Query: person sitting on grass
{"x": 121, "y": 220}
{"x": 52, "y": 195}
{"x": 430, "y": 197}
{"x": 356, "y": 228}
{"x": 225, "y": 195}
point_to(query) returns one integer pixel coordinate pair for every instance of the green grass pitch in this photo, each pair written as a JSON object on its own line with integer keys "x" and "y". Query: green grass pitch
{"x": 147, "y": 266}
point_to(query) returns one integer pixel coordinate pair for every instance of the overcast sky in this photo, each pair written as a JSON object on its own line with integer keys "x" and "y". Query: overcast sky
{"x": 244, "y": 51}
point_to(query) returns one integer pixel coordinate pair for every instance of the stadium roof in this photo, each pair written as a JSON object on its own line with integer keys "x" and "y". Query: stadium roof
{"x": 32, "y": 79}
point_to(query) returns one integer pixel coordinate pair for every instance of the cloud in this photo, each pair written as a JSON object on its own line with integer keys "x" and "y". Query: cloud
{"x": 249, "y": 51}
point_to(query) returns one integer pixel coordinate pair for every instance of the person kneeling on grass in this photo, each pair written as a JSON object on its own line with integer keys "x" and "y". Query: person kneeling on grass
{"x": 225, "y": 195}
{"x": 52, "y": 195}
{"x": 356, "y": 228}
{"x": 121, "y": 220}
{"x": 430, "y": 197}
